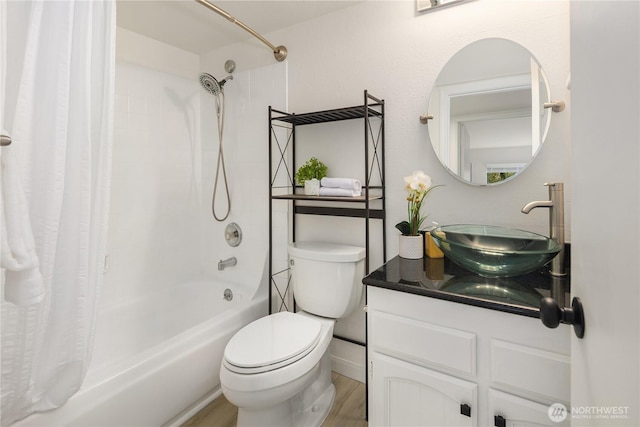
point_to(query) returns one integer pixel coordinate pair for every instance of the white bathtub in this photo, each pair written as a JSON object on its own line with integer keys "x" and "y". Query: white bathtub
{"x": 156, "y": 361}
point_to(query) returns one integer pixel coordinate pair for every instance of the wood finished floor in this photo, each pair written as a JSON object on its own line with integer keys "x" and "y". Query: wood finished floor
{"x": 347, "y": 410}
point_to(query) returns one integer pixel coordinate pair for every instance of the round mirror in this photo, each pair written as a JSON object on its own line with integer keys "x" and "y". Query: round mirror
{"x": 489, "y": 116}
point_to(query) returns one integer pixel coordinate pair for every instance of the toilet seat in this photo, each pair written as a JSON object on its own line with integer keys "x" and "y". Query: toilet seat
{"x": 272, "y": 342}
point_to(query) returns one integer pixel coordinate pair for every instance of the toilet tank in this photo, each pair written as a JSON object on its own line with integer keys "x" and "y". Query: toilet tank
{"x": 327, "y": 277}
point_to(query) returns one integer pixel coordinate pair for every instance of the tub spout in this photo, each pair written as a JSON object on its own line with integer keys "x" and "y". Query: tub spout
{"x": 229, "y": 262}
{"x": 556, "y": 222}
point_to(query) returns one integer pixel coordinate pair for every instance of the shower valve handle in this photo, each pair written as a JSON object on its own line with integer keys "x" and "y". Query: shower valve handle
{"x": 233, "y": 234}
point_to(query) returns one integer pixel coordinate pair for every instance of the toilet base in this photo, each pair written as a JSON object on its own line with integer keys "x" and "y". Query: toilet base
{"x": 308, "y": 408}
{"x": 283, "y": 416}
{"x": 320, "y": 410}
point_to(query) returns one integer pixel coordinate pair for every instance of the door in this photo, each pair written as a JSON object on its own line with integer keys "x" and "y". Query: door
{"x": 605, "y": 225}
{"x": 404, "y": 394}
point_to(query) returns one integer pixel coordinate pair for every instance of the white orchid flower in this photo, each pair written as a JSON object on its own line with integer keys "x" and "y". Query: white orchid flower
{"x": 418, "y": 185}
{"x": 418, "y": 182}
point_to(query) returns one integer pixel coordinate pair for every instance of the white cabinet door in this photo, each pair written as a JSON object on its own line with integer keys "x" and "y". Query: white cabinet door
{"x": 404, "y": 394}
{"x": 506, "y": 410}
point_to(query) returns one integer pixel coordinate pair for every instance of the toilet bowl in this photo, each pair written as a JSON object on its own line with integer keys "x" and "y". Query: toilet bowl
{"x": 277, "y": 369}
{"x": 264, "y": 392}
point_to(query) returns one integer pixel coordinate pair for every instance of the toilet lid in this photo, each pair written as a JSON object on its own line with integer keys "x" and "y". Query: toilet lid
{"x": 272, "y": 342}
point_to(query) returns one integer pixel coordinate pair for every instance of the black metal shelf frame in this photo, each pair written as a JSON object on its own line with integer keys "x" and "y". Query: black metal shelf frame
{"x": 374, "y": 142}
{"x": 372, "y": 110}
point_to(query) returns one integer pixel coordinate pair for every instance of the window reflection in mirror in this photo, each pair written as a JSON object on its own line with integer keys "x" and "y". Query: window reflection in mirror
{"x": 488, "y": 110}
{"x": 431, "y": 5}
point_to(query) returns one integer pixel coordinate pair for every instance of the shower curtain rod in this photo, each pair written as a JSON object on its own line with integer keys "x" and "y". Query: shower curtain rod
{"x": 279, "y": 52}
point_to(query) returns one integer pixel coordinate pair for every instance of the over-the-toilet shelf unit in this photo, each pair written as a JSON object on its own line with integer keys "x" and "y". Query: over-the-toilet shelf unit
{"x": 282, "y": 168}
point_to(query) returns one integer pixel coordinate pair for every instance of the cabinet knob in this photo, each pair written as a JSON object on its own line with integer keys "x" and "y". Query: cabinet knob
{"x": 465, "y": 409}
{"x": 499, "y": 421}
{"x": 552, "y": 315}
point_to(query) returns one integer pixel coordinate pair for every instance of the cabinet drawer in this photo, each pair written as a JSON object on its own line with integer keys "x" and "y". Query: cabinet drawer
{"x": 522, "y": 412}
{"x": 532, "y": 370}
{"x": 422, "y": 342}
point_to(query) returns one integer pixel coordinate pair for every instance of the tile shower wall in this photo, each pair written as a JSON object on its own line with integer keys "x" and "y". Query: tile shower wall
{"x": 161, "y": 229}
{"x": 245, "y": 145}
{"x": 154, "y": 230}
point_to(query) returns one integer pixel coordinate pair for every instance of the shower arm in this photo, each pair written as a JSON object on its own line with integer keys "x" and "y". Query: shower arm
{"x": 279, "y": 52}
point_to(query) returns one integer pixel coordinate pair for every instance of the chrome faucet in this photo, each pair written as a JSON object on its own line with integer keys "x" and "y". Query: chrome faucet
{"x": 556, "y": 222}
{"x": 229, "y": 262}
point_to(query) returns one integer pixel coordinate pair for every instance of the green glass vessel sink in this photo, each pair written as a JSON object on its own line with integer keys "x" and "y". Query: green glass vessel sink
{"x": 493, "y": 251}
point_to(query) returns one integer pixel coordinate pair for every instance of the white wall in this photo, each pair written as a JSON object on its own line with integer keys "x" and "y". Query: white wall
{"x": 396, "y": 53}
{"x": 154, "y": 216}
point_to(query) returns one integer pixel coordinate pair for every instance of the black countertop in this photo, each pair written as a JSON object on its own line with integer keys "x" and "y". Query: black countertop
{"x": 443, "y": 279}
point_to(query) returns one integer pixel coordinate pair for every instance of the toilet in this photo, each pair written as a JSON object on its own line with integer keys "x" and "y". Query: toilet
{"x": 277, "y": 369}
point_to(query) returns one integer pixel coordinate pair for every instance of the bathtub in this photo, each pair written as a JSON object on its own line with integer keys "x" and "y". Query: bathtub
{"x": 156, "y": 361}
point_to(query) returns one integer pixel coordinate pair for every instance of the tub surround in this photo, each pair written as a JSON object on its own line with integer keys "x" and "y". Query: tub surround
{"x": 443, "y": 279}
{"x": 177, "y": 376}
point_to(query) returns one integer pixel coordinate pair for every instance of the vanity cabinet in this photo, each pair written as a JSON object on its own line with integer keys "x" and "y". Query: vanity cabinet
{"x": 437, "y": 362}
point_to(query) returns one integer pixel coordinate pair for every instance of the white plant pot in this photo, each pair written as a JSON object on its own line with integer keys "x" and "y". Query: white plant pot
{"x": 312, "y": 187}
{"x": 411, "y": 247}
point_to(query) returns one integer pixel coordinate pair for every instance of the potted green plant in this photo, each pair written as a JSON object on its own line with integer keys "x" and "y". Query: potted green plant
{"x": 310, "y": 175}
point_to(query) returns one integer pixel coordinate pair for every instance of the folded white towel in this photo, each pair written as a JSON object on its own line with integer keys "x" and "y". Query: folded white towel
{"x": 23, "y": 281}
{"x": 339, "y": 192}
{"x": 346, "y": 183}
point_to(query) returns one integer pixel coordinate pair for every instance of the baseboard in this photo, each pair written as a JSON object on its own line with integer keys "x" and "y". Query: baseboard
{"x": 348, "y": 368}
{"x": 348, "y": 359}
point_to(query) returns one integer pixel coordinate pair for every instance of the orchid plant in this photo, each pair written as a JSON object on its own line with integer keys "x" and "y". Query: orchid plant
{"x": 418, "y": 185}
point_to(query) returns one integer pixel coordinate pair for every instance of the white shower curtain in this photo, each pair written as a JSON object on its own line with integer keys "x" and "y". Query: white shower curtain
{"x": 57, "y": 96}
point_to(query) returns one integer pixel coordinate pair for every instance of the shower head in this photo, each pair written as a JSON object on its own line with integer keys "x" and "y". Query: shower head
{"x": 211, "y": 85}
